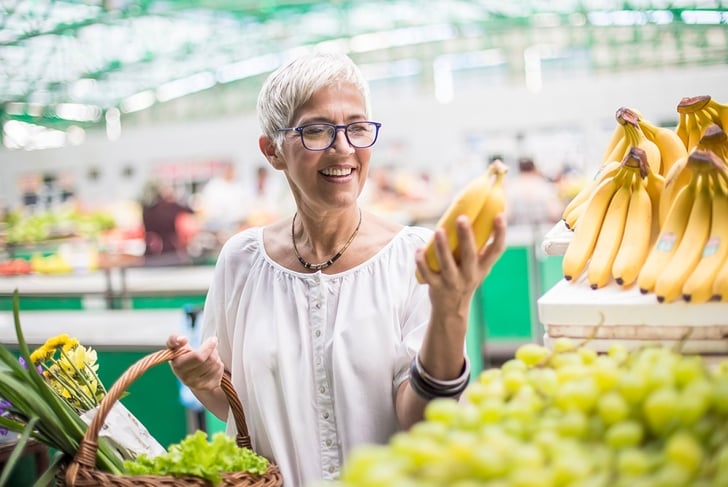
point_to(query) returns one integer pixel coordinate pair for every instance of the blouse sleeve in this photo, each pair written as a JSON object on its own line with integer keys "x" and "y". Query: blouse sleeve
{"x": 415, "y": 314}
{"x": 214, "y": 318}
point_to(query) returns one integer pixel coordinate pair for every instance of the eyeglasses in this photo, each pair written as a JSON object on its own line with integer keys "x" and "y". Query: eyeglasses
{"x": 321, "y": 136}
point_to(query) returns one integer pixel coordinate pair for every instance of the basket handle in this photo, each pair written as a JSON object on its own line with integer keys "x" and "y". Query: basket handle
{"x": 86, "y": 454}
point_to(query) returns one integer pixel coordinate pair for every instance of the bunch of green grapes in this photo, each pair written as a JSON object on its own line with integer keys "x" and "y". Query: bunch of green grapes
{"x": 566, "y": 416}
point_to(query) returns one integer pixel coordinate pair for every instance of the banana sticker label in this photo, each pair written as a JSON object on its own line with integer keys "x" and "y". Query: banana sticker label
{"x": 667, "y": 242}
{"x": 711, "y": 246}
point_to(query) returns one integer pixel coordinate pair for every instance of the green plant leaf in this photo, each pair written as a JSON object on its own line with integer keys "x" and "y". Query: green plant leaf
{"x": 48, "y": 477}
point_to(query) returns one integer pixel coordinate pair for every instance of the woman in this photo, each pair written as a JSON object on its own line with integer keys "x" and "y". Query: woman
{"x": 330, "y": 340}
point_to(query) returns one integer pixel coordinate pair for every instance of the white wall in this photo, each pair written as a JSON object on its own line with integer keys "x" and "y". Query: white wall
{"x": 575, "y": 112}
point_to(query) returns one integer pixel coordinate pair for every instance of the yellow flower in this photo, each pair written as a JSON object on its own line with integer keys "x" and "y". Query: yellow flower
{"x": 72, "y": 372}
{"x": 39, "y": 355}
{"x": 70, "y": 344}
{"x": 57, "y": 341}
{"x": 78, "y": 359}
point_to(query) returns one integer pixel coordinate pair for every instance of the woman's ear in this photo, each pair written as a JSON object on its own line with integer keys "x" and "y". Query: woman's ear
{"x": 269, "y": 150}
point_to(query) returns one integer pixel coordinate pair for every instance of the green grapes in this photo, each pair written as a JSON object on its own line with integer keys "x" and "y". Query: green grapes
{"x": 566, "y": 417}
{"x": 532, "y": 354}
{"x": 612, "y": 407}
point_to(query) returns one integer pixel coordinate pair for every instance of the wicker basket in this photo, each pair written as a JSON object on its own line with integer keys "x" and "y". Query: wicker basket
{"x": 81, "y": 471}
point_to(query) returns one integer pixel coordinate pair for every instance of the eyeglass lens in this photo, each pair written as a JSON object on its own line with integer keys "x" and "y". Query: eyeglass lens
{"x": 320, "y": 136}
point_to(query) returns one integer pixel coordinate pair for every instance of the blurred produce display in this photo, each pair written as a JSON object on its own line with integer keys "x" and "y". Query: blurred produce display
{"x": 15, "y": 267}
{"x": 47, "y": 225}
{"x": 57, "y": 241}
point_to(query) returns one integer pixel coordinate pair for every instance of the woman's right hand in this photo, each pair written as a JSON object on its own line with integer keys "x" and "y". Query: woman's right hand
{"x": 200, "y": 369}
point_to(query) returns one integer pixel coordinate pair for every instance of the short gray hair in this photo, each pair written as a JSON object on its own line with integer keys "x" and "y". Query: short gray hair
{"x": 291, "y": 85}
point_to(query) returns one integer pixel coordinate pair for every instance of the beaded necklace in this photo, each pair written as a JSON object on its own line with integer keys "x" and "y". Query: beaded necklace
{"x": 322, "y": 265}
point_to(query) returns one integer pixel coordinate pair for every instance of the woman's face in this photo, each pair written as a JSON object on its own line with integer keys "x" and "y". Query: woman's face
{"x": 333, "y": 177}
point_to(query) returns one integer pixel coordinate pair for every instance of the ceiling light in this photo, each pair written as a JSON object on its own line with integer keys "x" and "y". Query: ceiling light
{"x": 185, "y": 86}
{"x": 138, "y": 101}
{"x": 78, "y": 112}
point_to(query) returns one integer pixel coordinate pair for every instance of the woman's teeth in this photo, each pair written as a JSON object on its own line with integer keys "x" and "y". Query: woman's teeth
{"x": 336, "y": 171}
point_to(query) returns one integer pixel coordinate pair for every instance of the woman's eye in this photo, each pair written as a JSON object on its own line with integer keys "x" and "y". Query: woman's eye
{"x": 316, "y": 129}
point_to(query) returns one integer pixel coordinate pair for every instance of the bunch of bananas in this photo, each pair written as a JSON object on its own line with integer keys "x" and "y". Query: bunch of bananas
{"x": 678, "y": 247}
{"x": 480, "y": 200}
{"x": 688, "y": 259}
{"x": 614, "y": 232}
{"x": 662, "y": 148}
{"x": 715, "y": 140}
{"x": 696, "y": 114}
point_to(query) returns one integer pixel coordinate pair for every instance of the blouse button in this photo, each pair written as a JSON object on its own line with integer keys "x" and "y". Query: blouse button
{"x": 317, "y": 333}
{"x": 332, "y": 469}
{"x": 322, "y": 389}
{"x": 326, "y": 416}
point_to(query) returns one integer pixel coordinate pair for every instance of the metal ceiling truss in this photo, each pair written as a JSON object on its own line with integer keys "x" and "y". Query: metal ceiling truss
{"x": 73, "y": 62}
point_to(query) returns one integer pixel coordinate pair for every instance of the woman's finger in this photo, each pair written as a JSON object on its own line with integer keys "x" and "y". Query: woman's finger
{"x": 176, "y": 341}
{"x": 442, "y": 251}
{"x": 495, "y": 248}
{"x": 466, "y": 242}
{"x": 207, "y": 348}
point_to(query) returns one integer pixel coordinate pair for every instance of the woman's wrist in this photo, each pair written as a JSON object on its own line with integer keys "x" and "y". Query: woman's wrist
{"x": 429, "y": 387}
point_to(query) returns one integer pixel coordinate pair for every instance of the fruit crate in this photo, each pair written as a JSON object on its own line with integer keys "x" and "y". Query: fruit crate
{"x": 609, "y": 314}
{"x": 614, "y": 314}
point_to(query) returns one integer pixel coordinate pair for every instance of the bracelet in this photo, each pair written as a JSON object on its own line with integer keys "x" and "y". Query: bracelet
{"x": 429, "y": 388}
{"x": 464, "y": 375}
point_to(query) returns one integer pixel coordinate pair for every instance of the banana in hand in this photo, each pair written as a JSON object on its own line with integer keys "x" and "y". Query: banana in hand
{"x": 480, "y": 200}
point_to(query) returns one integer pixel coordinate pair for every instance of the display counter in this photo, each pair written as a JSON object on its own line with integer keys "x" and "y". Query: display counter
{"x": 87, "y": 290}
{"x": 110, "y": 288}
{"x": 140, "y": 330}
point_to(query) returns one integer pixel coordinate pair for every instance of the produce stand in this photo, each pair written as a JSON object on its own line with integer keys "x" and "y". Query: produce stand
{"x": 614, "y": 314}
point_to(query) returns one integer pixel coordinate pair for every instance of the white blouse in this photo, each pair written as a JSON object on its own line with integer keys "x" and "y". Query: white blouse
{"x": 316, "y": 358}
